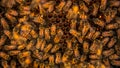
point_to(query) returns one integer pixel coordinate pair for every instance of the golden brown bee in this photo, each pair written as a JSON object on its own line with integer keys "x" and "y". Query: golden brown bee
{"x": 48, "y": 47}
{"x": 24, "y": 10}
{"x": 85, "y": 29}
{"x": 4, "y": 23}
{"x": 85, "y": 47}
{"x": 112, "y": 26}
{"x": 76, "y": 52}
{"x": 51, "y": 60}
{"x": 39, "y": 43}
{"x": 105, "y": 40}
{"x": 24, "y": 54}
{"x": 114, "y": 3}
{"x": 35, "y": 64}
{"x": 41, "y": 65}
{"x": 96, "y": 35}
{"x": 112, "y": 41}
{"x": 115, "y": 62}
{"x": 73, "y": 24}
{"x": 13, "y": 12}
{"x": 91, "y": 33}
{"x": 69, "y": 44}
{"x": 75, "y": 9}
{"x": 99, "y": 22}
{"x": 55, "y": 48}
{"x": 103, "y": 5}
{"x": 67, "y": 5}
{"x": 106, "y": 62}
{"x": 83, "y": 15}
{"x": 83, "y": 58}
{"x": 114, "y": 57}
{"x": 70, "y": 14}
{"x": 83, "y": 7}
{"x": 34, "y": 34}
{"x": 14, "y": 52}
{"x": 4, "y": 64}
{"x": 43, "y": 45}
{"x": 118, "y": 33}
{"x": 21, "y": 46}
{"x": 10, "y": 47}
{"x": 30, "y": 44}
{"x": 8, "y": 3}
{"x": 58, "y": 58}
{"x": 65, "y": 58}
{"x": 90, "y": 65}
{"x": 8, "y": 34}
{"x": 41, "y": 32}
{"x": 47, "y": 34}
{"x": 10, "y": 17}
{"x": 2, "y": 40}
{"x": 13, "y": 64}
{"x": 117, "y": 19}
{"x": 4, "y": 55}
{"x": 94, "y": 56}
{"x": 23, "y": 19}
{"x": 61, "y": 5}
{"x": 27, "y": 61}
{"x": 53, "y": 29}
{"x": 37, "y": 54}
{"x": 74, "y": 32}
{"x": 45, "y": 56}
{"x": 67, "y": 65}
{"x": 107, "y": 33}
{"x": 39, "y": 19}
{"x": 109, "y": 52}
{"x": 58, "y": 36}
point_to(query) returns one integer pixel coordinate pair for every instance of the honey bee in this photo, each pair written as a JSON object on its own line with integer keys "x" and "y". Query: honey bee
{"x": 4, "y": 23}
{"x": 103, "y": 5}
{"x": 37, "y": 54}
{"x": 61, "y": 5}
{"x": 114, "y": 3}
{"x": 90, "y": 65}
{"x": 115, "y": 62}
{"x": 41, "y": 65}
{"x": 108, "y": 33}
{"x": 53, "y": 30}
{"x": 91, "y": 33}
{"x": 24, "y": 10}
{"x": 83, "y": 6}
{"x": 10, "y": 17}
{"x": 14, "y": 52}
{"x": 99, "y": 22}
{"x": 39, "y": 19}
{"x": 106, "y": 62}
{"x": 67, "y": 65}
{"x": 69, "y": 44}
{"x": 114, "y": 57}
{"x": 96, "y": 35}
{"x": 47, "y": 34}
{"x": 83, "y": 15}
{"x": 10, "y": 47}
{"x": 65, "y": 58}
{"x": 8, "y": 3}
{"x": 35, "y": 64}
{"x": 24, "y": 54}
{"x": 118, "y": 33}
{"x": 8, "y": 34}
{"x": 75, "y": 9}
{"x": 117, "y": 19}
{"x": 109, "y": 52}
{"x": 74, "y": 32}
{"x": 23, "y": 19}
{"x": 70, "y": 14}
{"x": 43, "y": 45}
{"x": 51, "y": 60}
{"x": 21, "y": 46}
{"x": 85, "y": 29}
{"x": 67, "y": 5}
{"x": 4, "y": 55}
{"x": 4, "y": 64}
{"x": 58, "y": 58}
{"x": 55, "y": 48}
{"x": 58, "y": 36}
{"x": 41, "y": 32}
{"x": 34, "y": 34}
{"x": 85, "y": 47}
{"x": 94, "y": 56}
{"x": 45, "y": 56}
{"x": 112, "y": 41}
{"x": 83, "y": 58}
{"x": 76, "y": 52}
{"x": 27, "y": 61}
{"x": 30, "y": 45}
{"x": 41, "y": 9}
{"x": 112, "y": 26}
{"x": 39, "y": 43}
{"x": 73, "y": 24}
{"x": 48, "y": 47}
{"x": 13, "y": 12}
{"x": 105, "y": 41}
{"x": 2, "y": 40}
{"x": 13, "y": 64}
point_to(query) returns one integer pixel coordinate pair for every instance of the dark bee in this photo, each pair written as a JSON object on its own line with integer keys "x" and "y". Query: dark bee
{"x": 107, "y": 33}
{"x": 4, "y": 55}
{"x": 112, "y": 42}
{"x": 109, "y": 52}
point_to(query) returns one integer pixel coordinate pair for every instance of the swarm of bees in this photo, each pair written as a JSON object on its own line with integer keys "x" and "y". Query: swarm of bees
{"x": 59, "y": 33}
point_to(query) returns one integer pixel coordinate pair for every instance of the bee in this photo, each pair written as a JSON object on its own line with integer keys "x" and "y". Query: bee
{"x": 58, "y": 36}
{"x": 8, "y": 3}
{"x": 75, "y": 9}
{"x": 43, "y": 45}
{"x": 34, "y": 34}
{"x": 109, "y": 52}
{"x": 2, "y": 40}
{"x": 85, "y": 29}
{"x": 112, "y": 41}
{"x": 14, "y": 52}
{"x": 99, "y": 22}
{"x": 61, "y": 5}
{"x": 74, "y": 32}
{"x": 27, "y": 61}
{"x": 106, "y": 62}
{"x": 76, "y": 51}
{"x": 8, "y": 34}
{"x": 114, "y": 57}
{"x": 45, "y": 56}
{"x": 94, "y": 57}
{"x": 51, "y": 60}
{"x": 118, "y": 33}
{"x": 67, "y": 65}
{"x": 90, "y": 65}
{"x": 48, "y": 47}
{"x": 36, "y": 64}
{"x": 115, "y": 62}
{"x": 109, "y": 14}
{"x": 10, "y": 47}
{"x": 91, "y": 33}
{"x": 39, "y": 43}
{"x": 83, "y": 58}
{"x": 24, "y": 10}
{"x": 73, "y": 24}
{"x": 23, "y": 19}
{"x": 24, "y": 54}
{"x": 37, "y": 54}
{"x": 13, "y": 12}
{"x": 83, "y": 7}
{"x": 105, "y": 40}
{"x": 114, "y": 3}
{"x": 11, "y": 18}
{"x": 13, "y": 64}
{"x": 41, "y": 32}
{"x": 30, "y": 44}
{"x": 21, "y": 46}
{"x": 108, "y": 33}
{"x": 112, "y": 26}
{"x": 47, "y": 34}
{"x": 39, "y": 19}
{"x": 58, "y": 58}
{"x": 41, "y": 65}
{"x": 103, "y": 5}
{"x": 4, "y": 23}
{"x": 55, "y": 48}
{"x": 70, "y": 14}
{"x": 4, "y": 64}
{"x": 53, "y": 29}
{"x": 67, "y": 5}
{"x": 85, "y": 47}
{"x": 69, "y": 44}
{"x": 65, "y": 58}
{"x": 96, "y": 35}
{"x": 4, "y": 55}
{"x": 83, "y": 15}
{"x": 117, "y": 19}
